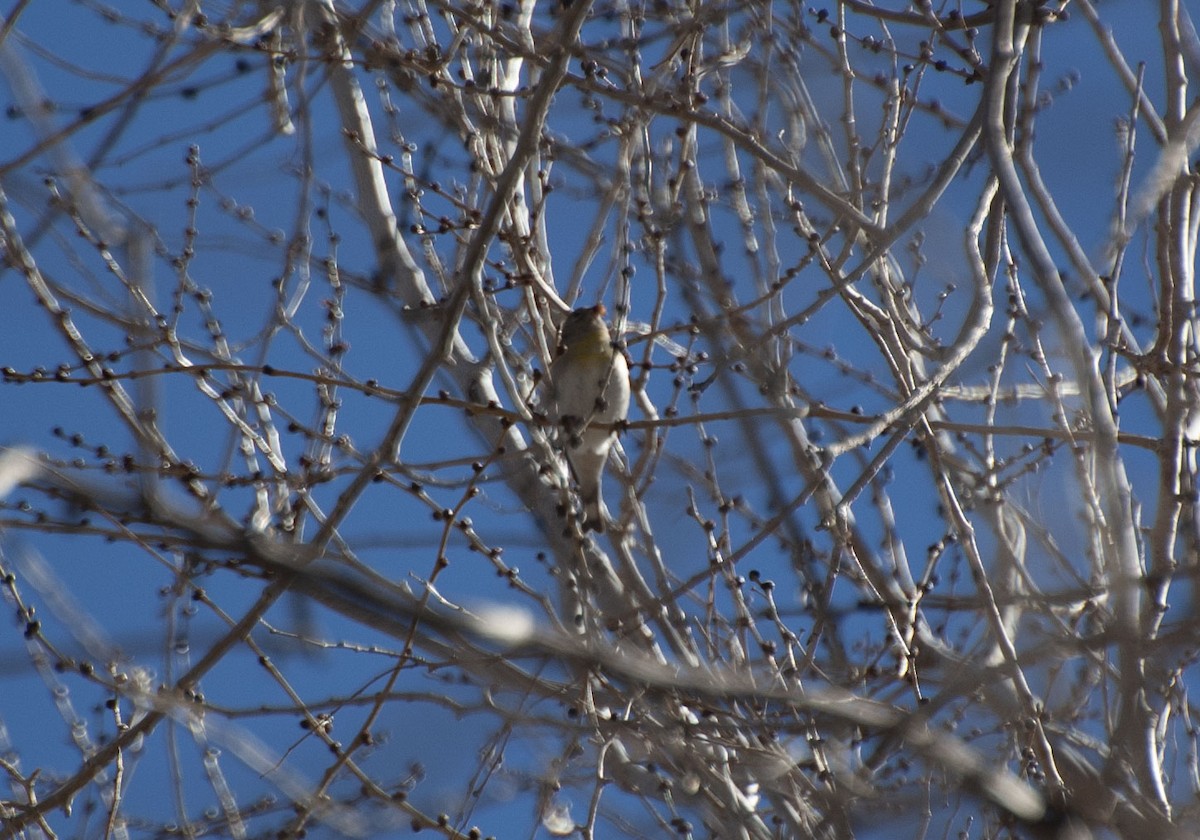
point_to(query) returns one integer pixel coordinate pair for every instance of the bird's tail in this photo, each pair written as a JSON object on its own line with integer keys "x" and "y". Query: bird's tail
{"x": 588, "y": 466}
{"x": 595, "y": 514}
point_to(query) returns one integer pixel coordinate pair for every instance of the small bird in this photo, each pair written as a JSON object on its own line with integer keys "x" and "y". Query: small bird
{"x": 589, "y": 382}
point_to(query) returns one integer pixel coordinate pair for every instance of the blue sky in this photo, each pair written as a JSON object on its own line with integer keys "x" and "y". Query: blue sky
{"x": 252, "y": 202}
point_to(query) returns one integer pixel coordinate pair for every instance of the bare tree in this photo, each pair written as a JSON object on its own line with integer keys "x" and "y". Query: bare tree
{"x": 903, "y": 504}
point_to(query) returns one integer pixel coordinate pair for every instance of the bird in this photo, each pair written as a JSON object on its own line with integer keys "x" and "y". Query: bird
{"x": 589, "y": 394}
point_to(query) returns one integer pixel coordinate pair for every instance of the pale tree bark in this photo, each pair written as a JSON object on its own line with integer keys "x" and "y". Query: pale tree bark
{"x": 904, "y": 518}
